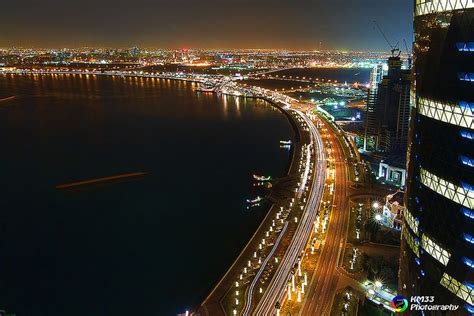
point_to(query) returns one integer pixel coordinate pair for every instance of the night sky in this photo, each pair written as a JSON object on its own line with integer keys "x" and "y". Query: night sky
{"x": 291, "y": 24}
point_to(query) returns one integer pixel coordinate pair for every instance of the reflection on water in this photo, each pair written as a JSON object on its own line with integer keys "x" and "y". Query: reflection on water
{"x": 148, "y": 247}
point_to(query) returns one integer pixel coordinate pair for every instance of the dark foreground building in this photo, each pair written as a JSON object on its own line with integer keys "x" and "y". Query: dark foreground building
{"x": 388, "y": 108}
{"x": 437, "y": 255}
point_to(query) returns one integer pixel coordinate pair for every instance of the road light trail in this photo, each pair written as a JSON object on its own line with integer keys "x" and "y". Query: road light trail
{"x": 275, "y": 291}
{"x": 248, "y": 302}
{"x": 322, "y": 286}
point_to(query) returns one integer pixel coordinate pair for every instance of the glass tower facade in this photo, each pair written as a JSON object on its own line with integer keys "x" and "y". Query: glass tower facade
{"x": 437, "y": 254}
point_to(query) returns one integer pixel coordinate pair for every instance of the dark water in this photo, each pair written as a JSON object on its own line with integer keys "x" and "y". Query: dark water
{"x": 152, "y": 246}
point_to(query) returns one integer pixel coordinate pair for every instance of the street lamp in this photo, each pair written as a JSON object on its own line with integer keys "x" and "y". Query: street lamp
{"x": 378, "y": 285}
{"x": 378, "y": 217}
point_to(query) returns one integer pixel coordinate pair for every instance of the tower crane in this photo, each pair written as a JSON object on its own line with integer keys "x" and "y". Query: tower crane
{"x": 394, "y": 48}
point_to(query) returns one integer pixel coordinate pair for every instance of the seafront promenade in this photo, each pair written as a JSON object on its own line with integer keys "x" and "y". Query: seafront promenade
{"x": 259, "y": 280}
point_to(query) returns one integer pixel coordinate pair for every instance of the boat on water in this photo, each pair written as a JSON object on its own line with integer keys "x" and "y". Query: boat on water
{"x": 285, "y": 142}
{"x": 207, "y": 87}
{"x": 256, "y": 200}
{"x": 261, "y": 178}
{"x": 253, "y": 205}
{"x": 109, "y": 179}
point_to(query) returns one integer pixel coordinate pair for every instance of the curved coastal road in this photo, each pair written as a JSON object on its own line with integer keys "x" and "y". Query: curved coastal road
{"x": 276, "y": 290}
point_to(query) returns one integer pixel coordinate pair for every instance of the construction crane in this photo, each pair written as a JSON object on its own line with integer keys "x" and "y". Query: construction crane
{"x": 394, "y": 48}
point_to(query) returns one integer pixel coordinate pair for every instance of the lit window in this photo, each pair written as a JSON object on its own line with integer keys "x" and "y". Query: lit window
{"x": 411, "y": 221}
{"x": 463, "y": 195}
{"x": 465, "y": 47}
{"x": 467, "y": 134}
{"x": 469, "y": 238}
{"x": 468, "y": 262}
{"x": 466, "y": 76}
{"x": 467, "y": 187}
{"x": 468, "y": 213}
{"x": 470, "y": 308}
{"x": 467, "y": 161}
{"x": 435, "y": 250}
{"x": 469, "y": 285}
{"x": 466, "y": 106}
{"x": 460, "y": 114}
{"x": 457, "y": 288}
{"x": 424, "y": 7}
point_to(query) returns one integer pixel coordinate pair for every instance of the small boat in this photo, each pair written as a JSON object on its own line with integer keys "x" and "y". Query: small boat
{"x": 206, "y": 87}
{"x": 261, "y": 178}
{"x": 256, "y": 200}
{"x": 285, "y": 142}
{"x": 253, "y": 205}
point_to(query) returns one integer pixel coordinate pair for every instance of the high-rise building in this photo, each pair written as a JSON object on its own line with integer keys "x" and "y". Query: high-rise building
{"x": 370, "y": 138}
{"x": 388, "y": 108}
{"x": 437, "y": 253}
{"x": 393, "y": 107}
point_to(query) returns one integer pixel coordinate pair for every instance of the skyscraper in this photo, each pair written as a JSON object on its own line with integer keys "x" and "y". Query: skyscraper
{"x": 437, "y": 255}
{"x": 388, "y": 108}
{"x": 393, "y": 107}
{"x": 370, "y": 139}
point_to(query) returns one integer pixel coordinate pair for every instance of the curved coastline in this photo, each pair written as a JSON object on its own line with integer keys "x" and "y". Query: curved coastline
{"x": 293, "y": 125}
{"x": 222, "y": 286}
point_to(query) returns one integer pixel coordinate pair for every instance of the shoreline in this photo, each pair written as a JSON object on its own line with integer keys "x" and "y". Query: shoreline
{"x": 98, "y": 73}
{"x": 221, "y": 285}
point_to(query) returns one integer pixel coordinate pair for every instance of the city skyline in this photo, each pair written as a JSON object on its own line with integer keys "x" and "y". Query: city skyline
{"x": 206, "y": 24}
{"x": 247, "y": 157}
